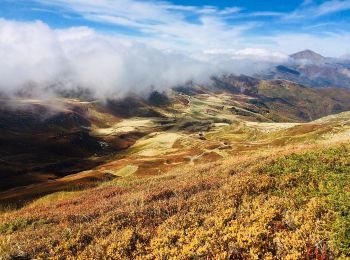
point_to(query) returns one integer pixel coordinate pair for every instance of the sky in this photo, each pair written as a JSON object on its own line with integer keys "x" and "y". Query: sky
{"x": 121, "y": 45}
{"x": 285, "y": 26}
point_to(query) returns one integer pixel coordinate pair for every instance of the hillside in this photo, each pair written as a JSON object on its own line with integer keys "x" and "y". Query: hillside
{"x": 290, "y": 203}
{"x": 241, "y": 169}
{"x": 77, "y": 144}
{"x": 282, "y": 100}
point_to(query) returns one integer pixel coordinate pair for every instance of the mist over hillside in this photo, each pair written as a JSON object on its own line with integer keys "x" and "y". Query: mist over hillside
{"x": 67, "y": 60}
{"x": 81, "y": 61}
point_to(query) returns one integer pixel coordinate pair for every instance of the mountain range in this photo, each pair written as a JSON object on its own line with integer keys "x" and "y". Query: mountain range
{"x": 312, "y": 69}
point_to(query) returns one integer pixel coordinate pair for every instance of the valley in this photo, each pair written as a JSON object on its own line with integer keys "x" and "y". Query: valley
{"x": 77, "y": 144}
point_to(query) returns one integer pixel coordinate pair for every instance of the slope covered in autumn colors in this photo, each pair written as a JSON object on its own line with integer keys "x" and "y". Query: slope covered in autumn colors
{"x": 239, "y": 169}
{"x": 288, "y": 203}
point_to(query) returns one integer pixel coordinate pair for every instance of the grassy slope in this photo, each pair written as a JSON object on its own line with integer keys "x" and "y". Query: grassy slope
{"x": 252, "y": 203}
{"x": 302, "y": 103}
{"x": 282, "y": 100}
{"x": 290, "y": 204}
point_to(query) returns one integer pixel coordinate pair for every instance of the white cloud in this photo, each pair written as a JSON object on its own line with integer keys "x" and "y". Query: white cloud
{"x": 261, "y": 54}
{"x": 107, "y": 65}
{"x": 32, "y": 52}
{"x": 255, "y": 54}
{"x": 28, "y": 51}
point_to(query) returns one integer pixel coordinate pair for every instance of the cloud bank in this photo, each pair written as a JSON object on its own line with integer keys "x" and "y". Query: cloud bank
{"x": 155, "y": 44}
{"x": 37, "y": 56}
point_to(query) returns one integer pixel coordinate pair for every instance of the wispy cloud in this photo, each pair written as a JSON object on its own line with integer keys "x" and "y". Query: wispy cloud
{"x": 167, "y": 25}
{"x": 307, "y": 2}
{"x": 266, "y": 13}
{"x": 310, "y": 10}
{"x": 332, "y": 7}
{"x": 163, "y": 21}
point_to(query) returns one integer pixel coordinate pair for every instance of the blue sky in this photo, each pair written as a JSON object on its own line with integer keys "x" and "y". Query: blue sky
{"x": 232, "y": 24}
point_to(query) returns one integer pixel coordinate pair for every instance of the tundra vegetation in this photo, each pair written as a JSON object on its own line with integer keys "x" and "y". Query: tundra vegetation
{"x": 291, "y": 205}
{"x": 203, "y": 180}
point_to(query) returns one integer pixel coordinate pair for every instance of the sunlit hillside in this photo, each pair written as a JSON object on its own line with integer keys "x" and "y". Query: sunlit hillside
{"x": 206, "y": 175}
{"x": 289, "y": 203}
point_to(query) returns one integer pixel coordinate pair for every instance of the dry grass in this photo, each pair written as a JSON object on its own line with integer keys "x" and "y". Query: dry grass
{"x": 244, "y": 207}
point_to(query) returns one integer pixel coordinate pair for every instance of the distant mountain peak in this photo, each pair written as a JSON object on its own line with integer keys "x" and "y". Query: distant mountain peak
{"x": 307, "y": 55}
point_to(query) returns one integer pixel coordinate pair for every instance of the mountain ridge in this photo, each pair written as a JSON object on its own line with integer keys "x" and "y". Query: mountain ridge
{"x": 311, "y": 69}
